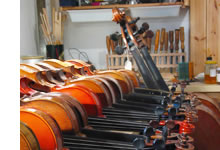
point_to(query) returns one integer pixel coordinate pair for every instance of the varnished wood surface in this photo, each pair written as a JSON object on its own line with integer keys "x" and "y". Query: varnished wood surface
{"x": 201, "y": 87}
{"x": 120, "y": 6}
{"x": 213, "y": 29}
{"x": 207, "y": 132}
{"x": 198, "y": 32}
{"x": 204, "y": 32}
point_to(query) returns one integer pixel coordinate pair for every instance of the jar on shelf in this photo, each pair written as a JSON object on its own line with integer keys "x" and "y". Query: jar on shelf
{"x": 218, "y": 75}
{"x": 210, "y": 71}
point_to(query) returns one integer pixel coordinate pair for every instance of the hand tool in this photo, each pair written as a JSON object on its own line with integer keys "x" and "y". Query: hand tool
{"x": 156, "y": 45}
{"x": 162, "y": 38}
{"x": 166, "y": 46}
{"x": 177, "y": 37}
{"x": 171, "y": 48}
{"x": 149, "y": 35}
{"x": 182, "y": 42}
{"x": 108, "y": 44}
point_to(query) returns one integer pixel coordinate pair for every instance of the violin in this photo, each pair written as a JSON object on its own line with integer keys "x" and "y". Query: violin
{"x": 28, "y": 140}
{"x": 132, "y": 37}
{"x": 130, "y": 75}
{"x": 54, "y": 106}
{"x": 79, "y": 97}
{"x": 84, "y": 95}
{"x": 97, "y": 88}
{"x": 42, "y": 124}
{"x": 57, "y": 73}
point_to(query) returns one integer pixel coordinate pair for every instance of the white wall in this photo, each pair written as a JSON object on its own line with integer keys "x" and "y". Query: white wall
{"x": 28, "y": 28}
{"x": 90, "y": 37}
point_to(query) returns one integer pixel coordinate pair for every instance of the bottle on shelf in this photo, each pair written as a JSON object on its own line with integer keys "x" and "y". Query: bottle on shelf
{"x": 218, "y": 75}
{"x": 210, "y": 71}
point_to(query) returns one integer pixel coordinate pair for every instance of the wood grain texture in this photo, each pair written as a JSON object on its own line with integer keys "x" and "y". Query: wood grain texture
{"x": 198, "y": 32}
{"x": 213, "y": 31}
{"x": 205, "y": 32}
{"x": 218, "y": 29}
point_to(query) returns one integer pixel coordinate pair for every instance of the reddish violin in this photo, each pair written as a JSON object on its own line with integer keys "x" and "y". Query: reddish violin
{"x": 42, "y": 124}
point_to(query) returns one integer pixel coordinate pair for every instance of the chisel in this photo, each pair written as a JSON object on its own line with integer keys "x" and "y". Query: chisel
{"x": 177, "y": 35}
{"x": 162, "y": 38}
{"x": 108, "y": 44}
{"x": 171, "y": 48}
{"x": 150, "y": 35}
{"x": 166, "y": 46}
{"x": 156, "y": 44}
{"x": 182, "y": 42}
{"x": 112, "y": 44}
{"x": 157, "y": 41}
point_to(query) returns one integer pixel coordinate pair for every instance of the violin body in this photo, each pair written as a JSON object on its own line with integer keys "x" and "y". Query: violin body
{"x": 56, "y": 108}
{"x": 28, "y": 140}
{"x": 85, "y": 96}
{"x": 42, "y": 124}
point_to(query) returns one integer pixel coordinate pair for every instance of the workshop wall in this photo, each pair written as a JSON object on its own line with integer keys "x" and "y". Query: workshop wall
{"x": 28, "y": 28}
{"x": 90, "y": 37}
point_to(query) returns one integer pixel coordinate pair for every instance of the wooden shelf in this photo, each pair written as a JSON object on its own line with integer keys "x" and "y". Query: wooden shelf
{"x": 119, "y": 6}
{"x": 201, "y": 87}
{"x": 104, "y": 13}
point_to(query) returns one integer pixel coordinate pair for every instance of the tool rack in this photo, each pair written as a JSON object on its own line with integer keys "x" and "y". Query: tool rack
{"x": 115, "y": 61}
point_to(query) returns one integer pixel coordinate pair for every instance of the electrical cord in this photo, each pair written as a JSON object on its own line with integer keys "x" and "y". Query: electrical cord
{"x": 81, "y": 55}
{"x": 84, "y": 54}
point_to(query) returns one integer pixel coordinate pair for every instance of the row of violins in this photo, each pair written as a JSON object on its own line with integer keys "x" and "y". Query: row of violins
{"x": 66, "y": 105}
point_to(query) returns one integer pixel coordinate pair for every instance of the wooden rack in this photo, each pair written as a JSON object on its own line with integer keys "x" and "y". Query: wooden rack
{"x": 118, "y": 61}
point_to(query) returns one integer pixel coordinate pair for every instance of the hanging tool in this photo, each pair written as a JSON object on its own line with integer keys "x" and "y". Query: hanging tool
{"x": 156, "y": 45}
{"x": 108, "y": 44}
{"x": 166, "y": 46}
{"x": 112, "y": 45}
{"x": 162, "y": 38}
{"x": 177, "y": 35}
{"x": 182, "y": 42}
{"x": 147, "y": 38}
{"x": 150, "y": 35}
{"x": 171, "y": 48}
{"x": 157, "y": 41}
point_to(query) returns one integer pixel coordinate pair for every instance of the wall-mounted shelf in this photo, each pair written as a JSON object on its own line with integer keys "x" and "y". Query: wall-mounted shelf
{"x": 104, "y": 13}
{"x": 120, "y": 6}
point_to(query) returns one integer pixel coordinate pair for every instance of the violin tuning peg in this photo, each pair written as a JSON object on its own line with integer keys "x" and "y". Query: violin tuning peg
{"x": 153, "y": 123}
{"x": 164, "y": 132}
{"x": 171, "y": 112}
{"x": 145, "y": 26}
{"x": 165, "y": 101}
{"x": 159, "y": 110}
{"x": 139, "y": 143}
{"x": 150, "y": 34}
{"x": 148, "y": 131}
{"x": 159, "y": 144}
{"x": 170, "y": 124}
{"x": 119, "y": 50}
{"x": 134, "y": 21}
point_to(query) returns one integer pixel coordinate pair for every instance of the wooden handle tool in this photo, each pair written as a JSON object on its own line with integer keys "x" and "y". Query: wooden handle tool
{"x": 177, "y": 32}
{"x": 182, "y": 38}
{"x": 162, "y": 38}
{"x": 166, "y": 42}
{"x": 157, "y": 41}
{"x": 171, "y": 40}
{"x": 149, "y": 36}
{"x": 112, "y": 45}
{"x": 108, "y": 44}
